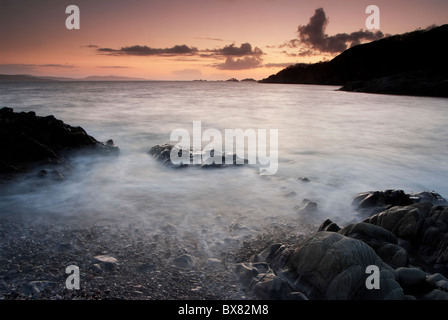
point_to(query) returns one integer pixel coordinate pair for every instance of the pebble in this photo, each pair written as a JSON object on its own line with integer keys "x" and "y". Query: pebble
{"x": 410, "y": 276}
{"x": 184, "y": 261}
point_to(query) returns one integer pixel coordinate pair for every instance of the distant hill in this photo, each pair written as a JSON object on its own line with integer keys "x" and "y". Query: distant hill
{"x": 109, "y": 78}
{"x": 21, "y": 78}
{"x": 413, "y": 63}
{"x": 29, "y": 78}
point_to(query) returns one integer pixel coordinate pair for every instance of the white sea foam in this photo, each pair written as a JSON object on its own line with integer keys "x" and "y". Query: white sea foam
{"x": 344, "y": 143}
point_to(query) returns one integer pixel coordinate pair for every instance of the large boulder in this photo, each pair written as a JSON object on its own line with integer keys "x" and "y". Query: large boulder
{"x": 326, "y": 265}
{"x": 27, "y": 139}
{"x": 384, "y": 242}
{"x": 423, "y": 226}
{"x": 332, "y": 266}
{"x": 372, "y": 202}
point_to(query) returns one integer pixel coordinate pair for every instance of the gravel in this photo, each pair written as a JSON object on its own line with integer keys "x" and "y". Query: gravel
{"x": 123, "y": 262}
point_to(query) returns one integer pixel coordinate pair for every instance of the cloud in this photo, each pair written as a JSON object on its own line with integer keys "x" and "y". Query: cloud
{"x": 148, "y": 51}
{"x": 313, "y": 39}
{"x": 67, "y": 66}
{"x": 212, "y": 39}
{"x": 240, "y": 64}
{"x": 113, "y": 67}
{"x": 244, "y": 49}
{"x": 237, "y": 57}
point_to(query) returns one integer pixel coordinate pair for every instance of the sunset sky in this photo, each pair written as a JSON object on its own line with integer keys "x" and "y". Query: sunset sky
{"x": 193, "y": 39}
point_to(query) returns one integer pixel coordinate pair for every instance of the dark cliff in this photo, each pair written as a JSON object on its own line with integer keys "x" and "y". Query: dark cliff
{"x": 413, "y": 63}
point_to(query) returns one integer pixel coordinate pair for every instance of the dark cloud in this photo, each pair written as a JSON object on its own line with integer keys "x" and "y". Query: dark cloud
{"x": 231, "y": 50}
{"x": 244, "y": 49}
{"x": 237, "y": 57}
{"x": 240, "y": 63}
{"x": 148, "y": 51}
{"x": 313, "y": 39}
{"x": 68, "y": 66}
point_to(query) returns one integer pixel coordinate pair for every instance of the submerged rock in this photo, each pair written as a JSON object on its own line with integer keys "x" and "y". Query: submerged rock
{"x": 306, "y": 207}
{"x": 163, "y": 154}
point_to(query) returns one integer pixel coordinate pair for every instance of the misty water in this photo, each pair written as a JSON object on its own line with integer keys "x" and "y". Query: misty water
{"x": 344, "y": 143}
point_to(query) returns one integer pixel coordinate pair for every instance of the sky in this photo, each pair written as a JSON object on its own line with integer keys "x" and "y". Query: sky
{"x": 194, "y": 39}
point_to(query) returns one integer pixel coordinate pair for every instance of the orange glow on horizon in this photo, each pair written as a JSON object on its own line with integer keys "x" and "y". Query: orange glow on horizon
{"x": 35, "y": 40}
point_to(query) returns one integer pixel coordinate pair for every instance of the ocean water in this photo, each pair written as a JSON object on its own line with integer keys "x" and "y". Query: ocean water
{"x": 344, "y": 143}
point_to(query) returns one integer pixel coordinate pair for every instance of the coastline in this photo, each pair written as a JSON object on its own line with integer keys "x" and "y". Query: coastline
{"x": 405, "y": 235}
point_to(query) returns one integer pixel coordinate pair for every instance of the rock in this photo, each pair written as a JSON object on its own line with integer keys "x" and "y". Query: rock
{"x": 267, "y": 254}
{"x": 184, "y": 261}
{"x": 372, "y": 202}
{"x": 436, "y": 294}
{"x": 384, "y": 242}
{"x": 329, "y": 225}
{"x": 307, "y": 207}
{"x": 296, "y": 296}
{"x": 304, "y": 179}
{"x": 271, "y": 287}
{"x": 213, "y": 264}
{"x": 423, "y": 226}
{"x": 53, "y": 174}
{"x": 64, "y": 247}
{"x": 428, "y": 196}
{"x": 435, "y": 278}
{"x": 96, "y": 268}
{"x": 278, "y": 257}
{"x": 245, "y": 273}
{"x": 381, "y": 198}
{"x": 329, "y": 265}
{"x": 410, "y": 277}
{"x": 146, "y": 267}
{"x": 262, "y": 267}
{"x": 27, "y": 140}
{"x": 106, "y": 263}
{"x": 162, "y": 153}
{"x": 442, "y": 285}
{"x": 371, "y": 234}
{"x": 169, "y": 228}
{"x": 394, "y": 255}
{"x": 403, "y": 221}
{"x": 290, "y": 194}
{"x": 261, "y": 280}
{"x": 38, "y": 286}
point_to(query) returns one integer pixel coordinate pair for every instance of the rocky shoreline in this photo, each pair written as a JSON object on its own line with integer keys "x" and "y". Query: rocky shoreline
{"x": 407, "y": 242}
{"x": 402, "y": 236}
{"x": 28, "y": 141}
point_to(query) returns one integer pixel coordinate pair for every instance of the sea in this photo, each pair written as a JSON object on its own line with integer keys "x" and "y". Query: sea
{"x": 343, "y": 143}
